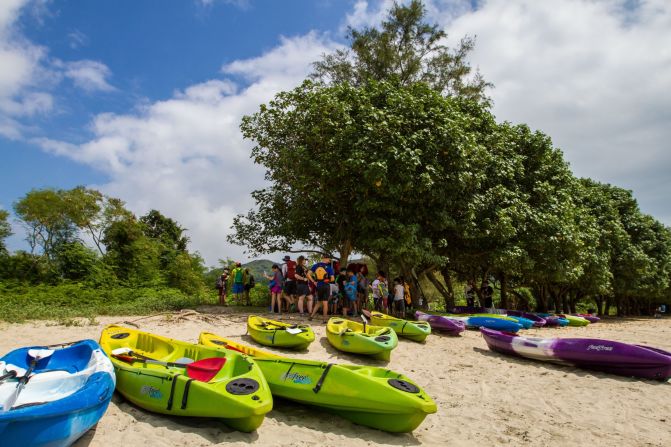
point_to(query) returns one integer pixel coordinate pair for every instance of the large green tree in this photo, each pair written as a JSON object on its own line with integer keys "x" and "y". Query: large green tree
{"x": 404, "y": 49}
{"x": 5, "y": 230}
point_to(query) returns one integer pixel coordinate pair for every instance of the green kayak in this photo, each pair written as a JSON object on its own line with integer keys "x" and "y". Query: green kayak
{"x": 366, "y": 395}
{"x": 234, "y": 389}
{"x": 414, "y": 330}
{"x": 350, "y": 336}
{"x": 277, "y": 333}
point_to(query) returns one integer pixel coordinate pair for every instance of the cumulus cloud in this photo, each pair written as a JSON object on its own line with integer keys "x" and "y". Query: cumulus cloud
{"x": 185, "y": 155}
{"x": 90, "y": 76}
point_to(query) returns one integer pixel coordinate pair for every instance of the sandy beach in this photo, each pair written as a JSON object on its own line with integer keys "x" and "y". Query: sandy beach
{"x": 483, "y": 398}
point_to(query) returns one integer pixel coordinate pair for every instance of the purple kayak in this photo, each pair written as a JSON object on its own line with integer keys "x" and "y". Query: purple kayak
{"x": 440, "y": 323}
{"x": 538, "y": 321}
{"x": 467, "y": 310}
{"x": 589, "y": 317}
{"x": 600, "y": 355}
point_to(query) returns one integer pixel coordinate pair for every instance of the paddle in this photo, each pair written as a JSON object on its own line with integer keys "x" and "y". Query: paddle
{"x": 203, "y": 370}
{"x": 365, "y": 322}
{"x": 36, "y": 355}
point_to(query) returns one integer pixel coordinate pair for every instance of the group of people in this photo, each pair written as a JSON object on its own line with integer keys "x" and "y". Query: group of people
{"x": 486, "y": 290}
{"x": 295, "y": 286}
{"x": 323, "y": 286}
{"x": 239, "y": 281}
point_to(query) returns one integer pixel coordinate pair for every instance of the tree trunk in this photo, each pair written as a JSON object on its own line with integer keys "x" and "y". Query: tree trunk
{"x": 344, "y": 251}
{"x": 607, "y": 306}
{"x": 598, "y": 300}
{"x": 447, "y": 277}
{"x": 504, "y": 291}
{"x": 447, "y": 299}
{"x": 541, "y": 298}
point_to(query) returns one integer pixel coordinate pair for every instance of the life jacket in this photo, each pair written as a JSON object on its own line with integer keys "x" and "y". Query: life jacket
{"x": 408, "y": 298}
{"x": 238, "y": 275}
{"x": 291, "y": 270}
{"x": 322, "y": 274}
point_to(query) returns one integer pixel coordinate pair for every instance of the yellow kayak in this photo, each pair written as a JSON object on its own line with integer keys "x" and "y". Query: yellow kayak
{"x": 279, "y": 334}
{"x": 161, "y": 375}
{"x": 367, "y": 395}
{"x": 350, "y": 336}
{"x": 414, "y": 330}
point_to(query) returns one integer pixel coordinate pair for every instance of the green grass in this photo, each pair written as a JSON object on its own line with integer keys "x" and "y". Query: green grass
{"x": 65, "y": 302}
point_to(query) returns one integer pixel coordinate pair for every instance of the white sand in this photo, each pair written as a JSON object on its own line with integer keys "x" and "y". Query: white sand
{"x": 483, "y": 398}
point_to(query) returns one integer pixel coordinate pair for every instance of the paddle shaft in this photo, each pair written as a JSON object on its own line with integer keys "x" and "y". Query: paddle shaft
{"x": 19, "y": 386}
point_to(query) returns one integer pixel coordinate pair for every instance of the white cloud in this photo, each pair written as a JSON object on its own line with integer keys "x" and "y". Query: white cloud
{"x": 594, "y": 75}
{"x": 77, "y": 39}
{"x": 90, "y": 76}
{"x": 185, "y": 156}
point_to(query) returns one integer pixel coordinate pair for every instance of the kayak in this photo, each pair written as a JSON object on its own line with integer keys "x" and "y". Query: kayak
{"x": 366, "y": 395}
{"x": 574, "y": 321}
{"x": 350, "y": 336}
{"x": 282, "y": 335}
{"x": 475, "y": 322}
{"x": 525, "y": 322}
{"x": 538, "y": 321}
{"x": 589, "y": 317}
{"x": 554, "y": 320}
{"x": 596, "y": 354}
{"x": 443, "y": 324}
{"x": 196, "y": 381}
{"x": 413, "y": 330}
{"x": 68, "y": 391}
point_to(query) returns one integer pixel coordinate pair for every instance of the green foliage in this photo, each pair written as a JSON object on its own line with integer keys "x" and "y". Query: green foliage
{"x": 19, "y": 302}
{"x": 405, "y": 50}
{"x": 5, "y": 230}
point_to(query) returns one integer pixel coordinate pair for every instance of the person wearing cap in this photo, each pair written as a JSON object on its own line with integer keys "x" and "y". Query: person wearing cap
{"x": 322, "y": 275}
{"x": 222, "y": 286}
{"x": 289, "y": 275}
{"x": 302, "y": 289}
{"x": 238, "y": 277}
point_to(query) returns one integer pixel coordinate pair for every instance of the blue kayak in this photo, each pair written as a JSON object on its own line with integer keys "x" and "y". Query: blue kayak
{"x": 67, "y": 393}
{"x": 498, "y": 324}
{"x": 525, "y": 322}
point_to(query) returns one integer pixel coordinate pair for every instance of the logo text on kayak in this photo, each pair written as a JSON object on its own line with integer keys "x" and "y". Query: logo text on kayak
{"x": 599, "y": 348}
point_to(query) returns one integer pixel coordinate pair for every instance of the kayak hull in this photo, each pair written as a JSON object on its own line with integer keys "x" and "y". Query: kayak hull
{"x": 537, "y": 320}
{"x": 362, "y": 394}
{"x": 169, "y": 390}
{"x": 274, "y": 333}
{"x": 499, "y": 324}
{"x": 595, "y": 354}
{"x": 350, "y": 336}
{"x": 61, "y": 421}
{"x": 443, "y": 324}
{"x": 412, "y": 330}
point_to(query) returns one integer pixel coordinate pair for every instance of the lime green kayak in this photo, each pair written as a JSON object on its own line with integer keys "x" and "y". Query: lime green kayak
{"x": 366, "y": 395}
{"x": 350, "y": 336}
{"x": 574, "y": 320}
{"x": 279, "y": 334}
{"x": 238, "y": 392}
{"x": 414, "y": 330}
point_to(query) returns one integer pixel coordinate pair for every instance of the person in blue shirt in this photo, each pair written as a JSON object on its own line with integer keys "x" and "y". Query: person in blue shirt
{"x": 350, "y": 294}
{"x": 321, "y": 274}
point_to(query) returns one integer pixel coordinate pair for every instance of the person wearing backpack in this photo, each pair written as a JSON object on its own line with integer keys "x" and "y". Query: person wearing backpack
{"x": 380, "y": 292}
{"x": 289, "y": 274}
{"x": 321, "y": 274}
{"x": 302, "y": 289}
{"x": 275, "y": 286}
{"x": 249, "y": 285}
{"x": 238, "y": 277}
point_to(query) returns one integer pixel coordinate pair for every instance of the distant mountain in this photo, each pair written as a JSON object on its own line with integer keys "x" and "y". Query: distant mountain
{"x": 257, "y": 267}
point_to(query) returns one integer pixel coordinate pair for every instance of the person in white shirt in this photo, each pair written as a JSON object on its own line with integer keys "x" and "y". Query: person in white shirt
{"x": 399, "y": 298}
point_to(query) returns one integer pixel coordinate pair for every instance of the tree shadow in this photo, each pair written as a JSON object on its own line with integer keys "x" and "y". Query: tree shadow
{"x": 350, "y": 357}
{"x": 573, "y": 370}
{"x": 286, "y": 412}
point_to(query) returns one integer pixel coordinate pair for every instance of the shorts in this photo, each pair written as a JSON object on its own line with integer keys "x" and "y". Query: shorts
{"x": 276, "y": 289}
{"x": 351, "y": 298}
{"x": 399, "y": 305}
{"x": 290, "y": 287}
{"x": 302, "y": 289}
{"x": 323, "y": 292}
{"x": 238, "y": 287}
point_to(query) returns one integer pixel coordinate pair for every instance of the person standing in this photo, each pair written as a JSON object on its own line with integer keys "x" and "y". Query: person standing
{"x": 275, "y": 286}
{"x": 380, "y": 292}
{"x": 249, "y": 285}
{"x": 399, "y": 298}
{"x": 350, "y": 295}
{"x": 469, "y": 291}
{"x": 362, "y": 290}
{"x": 238, "y": 277}
{"x": 487, "y": 294}
{"x": 321, "y": 274}
{"x": 302, "y": 289}
{"x": 222, "y": 286}
{"x": 289, "y": 275}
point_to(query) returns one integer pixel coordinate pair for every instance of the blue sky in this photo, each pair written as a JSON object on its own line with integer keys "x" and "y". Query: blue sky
{"x": 142, "y": 99}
